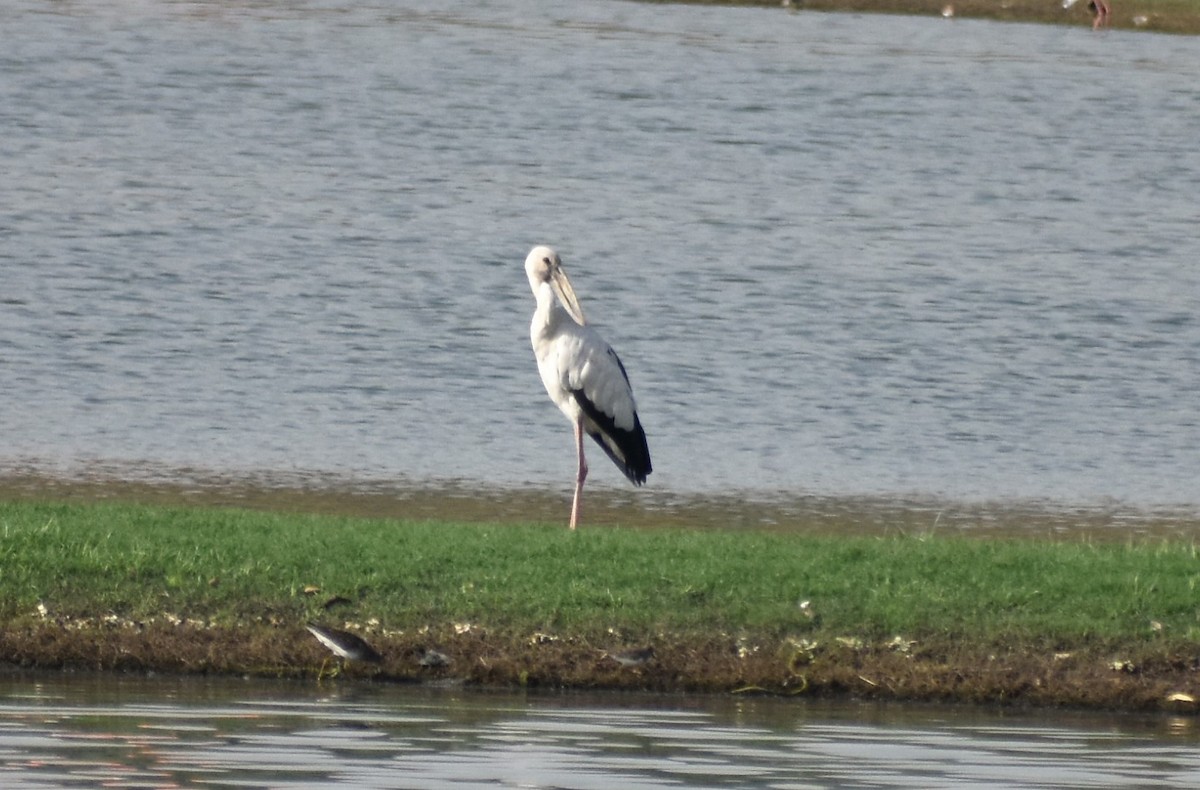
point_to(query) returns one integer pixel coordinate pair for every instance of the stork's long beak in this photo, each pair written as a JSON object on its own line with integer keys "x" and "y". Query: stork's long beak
{"x": 566, "y": 294}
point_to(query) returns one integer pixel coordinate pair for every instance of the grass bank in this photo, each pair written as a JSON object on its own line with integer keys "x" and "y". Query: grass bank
{"x": 917, "y": 616}
{"x": 1161, "y": 16}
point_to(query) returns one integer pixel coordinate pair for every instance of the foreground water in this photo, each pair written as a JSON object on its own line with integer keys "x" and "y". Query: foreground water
{"x": 83, "y": 731}
{"x": 839, "y": 255}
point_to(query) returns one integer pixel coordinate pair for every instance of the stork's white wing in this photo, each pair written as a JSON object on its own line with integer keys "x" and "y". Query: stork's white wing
{"x": 586, "y": 363}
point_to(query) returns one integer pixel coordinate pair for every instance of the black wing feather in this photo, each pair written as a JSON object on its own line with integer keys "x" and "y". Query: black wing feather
{"x": 627, "y": 449}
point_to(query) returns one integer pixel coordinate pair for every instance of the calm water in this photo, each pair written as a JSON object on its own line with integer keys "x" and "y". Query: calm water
{"x": 839, "y": 255}
{"x": 89, "y": 732}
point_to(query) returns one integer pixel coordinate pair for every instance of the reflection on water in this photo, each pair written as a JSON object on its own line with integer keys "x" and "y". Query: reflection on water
{"x": 58, "y": 731}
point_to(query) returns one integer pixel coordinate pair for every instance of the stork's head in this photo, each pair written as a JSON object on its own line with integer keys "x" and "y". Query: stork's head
{"x": 543, "y": 266}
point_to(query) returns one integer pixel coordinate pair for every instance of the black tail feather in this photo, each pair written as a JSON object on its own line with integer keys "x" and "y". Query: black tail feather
{"x": 627, "y": 449}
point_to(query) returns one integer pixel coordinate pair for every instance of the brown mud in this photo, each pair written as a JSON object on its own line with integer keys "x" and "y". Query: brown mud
{"x": 1162, "y": 16}
{"x": 1156, "y": 678}
{"x": 452, "y": 500}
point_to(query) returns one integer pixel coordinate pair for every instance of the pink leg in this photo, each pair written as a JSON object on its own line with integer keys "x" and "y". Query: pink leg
{"x": 579, "y": 478}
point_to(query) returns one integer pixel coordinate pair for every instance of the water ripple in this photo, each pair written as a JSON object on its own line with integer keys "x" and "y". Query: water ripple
{"x": 288, "y": 236}
{"x": 221, "y": 733}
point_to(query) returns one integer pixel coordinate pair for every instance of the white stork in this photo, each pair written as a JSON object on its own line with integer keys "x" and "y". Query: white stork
{"x": 583, "y": 375}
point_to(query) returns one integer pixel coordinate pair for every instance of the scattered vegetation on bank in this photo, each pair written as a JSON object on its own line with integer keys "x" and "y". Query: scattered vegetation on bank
{"x": 922, "y": 616}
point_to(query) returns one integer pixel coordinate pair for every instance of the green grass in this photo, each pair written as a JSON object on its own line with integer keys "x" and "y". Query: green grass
{"x": 229, "y": 565}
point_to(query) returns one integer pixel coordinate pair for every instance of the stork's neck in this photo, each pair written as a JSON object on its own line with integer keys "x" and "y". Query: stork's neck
{"x": 549, "y": 315}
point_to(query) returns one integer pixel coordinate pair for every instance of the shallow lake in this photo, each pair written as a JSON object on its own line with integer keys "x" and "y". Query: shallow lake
{"x": 83, "y": 731}
{"x": 839, "y": 255}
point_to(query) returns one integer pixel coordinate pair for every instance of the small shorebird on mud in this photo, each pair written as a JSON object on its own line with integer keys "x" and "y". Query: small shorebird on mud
{"x": 344, "y": 645}
{"x": 633, "y": 658}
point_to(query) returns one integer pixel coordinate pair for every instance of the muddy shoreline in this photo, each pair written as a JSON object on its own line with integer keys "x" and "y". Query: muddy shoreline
{"x": 334, "y": 495}
{"x": 1146, "y": 15}
{"x": 1158, "y": 674}
{"x": 1160, "y": 679}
